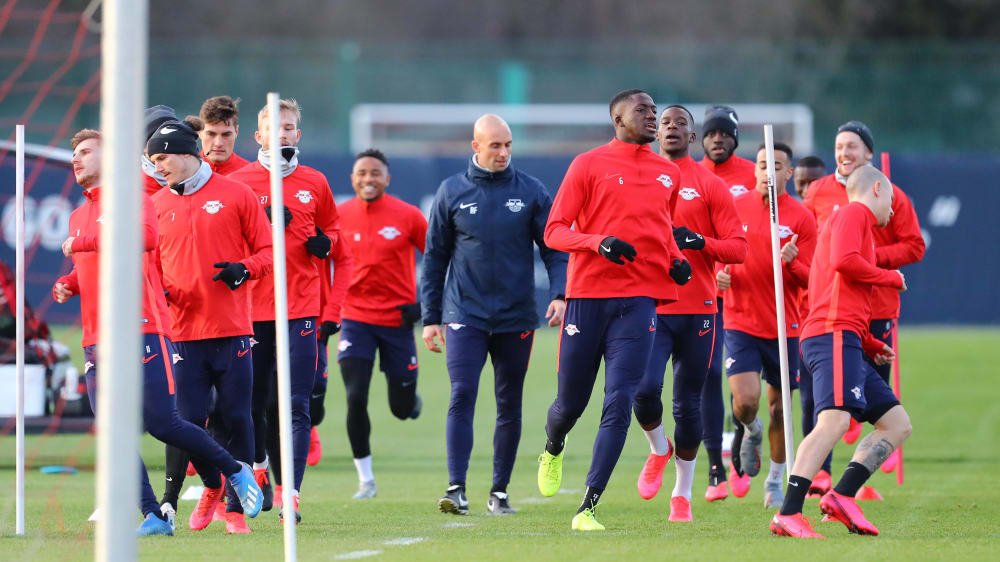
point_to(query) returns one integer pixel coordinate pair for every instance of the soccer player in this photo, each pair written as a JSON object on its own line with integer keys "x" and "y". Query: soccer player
{"x": 807, "y": 170}
{"x": 221, "y": 115}
{"x": 751, "y": 321}
{"x": 835, "y": 341}
{"x": 622, "y": 252}
{"x": 478, "y": 278}
{"x": 708, "y": 231}
{"x": 311, "y": 225}
{"x": 213, "y": 239}
{"x": 719, "y": 139}
{"x": 381, "y": 305}
{"x": 159, "y": 411}
{"x": 153, "y": 118}
{"x": 898, "y": 244}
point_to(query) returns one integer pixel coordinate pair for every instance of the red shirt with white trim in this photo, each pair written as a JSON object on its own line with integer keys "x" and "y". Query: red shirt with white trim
{"x": 748, "y": 305}
{"x": 221, "y": 222}
{"x": 233, "y": 163}
{"x": 382, "y": 235}
{"x": 705, "y": 206}
{"x": 622, "y": 190}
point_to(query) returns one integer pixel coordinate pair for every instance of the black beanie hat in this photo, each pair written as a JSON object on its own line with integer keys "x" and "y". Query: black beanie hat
{"x": 173, "y": 137}
{"x": 156, "y": 116}
{"x": 860, "y": 129}
{"x": 721, "y": 118}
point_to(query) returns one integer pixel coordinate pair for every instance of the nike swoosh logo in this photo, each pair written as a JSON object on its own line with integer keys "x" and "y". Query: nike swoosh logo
{"x": 885, "y": 335}
{"x": 703, "y": 332}
{"x": 465, "y": 205}
{"x": 606, "y": 249}
{"x": 242, "y": 352}
{"x": 524, "y": 335}
{"x": 407, "y": 383}
{"x": 609, "y": 176}
{"x": 240, "y": 282}
{"x": 686, "y": 239}
{"x": 170, "y": 479}
{"x": 652, "y": 328}
{"x": 150, "y": 358}
{"x": 305, "y": 333}
{"x": 796, "y": 484}
{"x": 412, "y": 367}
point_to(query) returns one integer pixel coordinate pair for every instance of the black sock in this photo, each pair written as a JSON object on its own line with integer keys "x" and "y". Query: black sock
{"x": 716, "y": 470}
{"x": 855, "y": 476}
{"x": 554, "y": 448}
{"x": 499, "y": 488}
{"x": 590, "y": 498}
{"x": 795, "y": 495}
{"x": 735, "y": 447}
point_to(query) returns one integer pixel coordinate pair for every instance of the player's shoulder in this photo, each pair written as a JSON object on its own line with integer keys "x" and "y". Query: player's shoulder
{"x": 251, "y": 172}
{"x": 230, "y": 185}
{"x": 740, "y": 162}
{"x": 310, "y": 174}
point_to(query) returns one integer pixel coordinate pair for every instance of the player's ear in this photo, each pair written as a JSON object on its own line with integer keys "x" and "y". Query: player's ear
{"x": 877, "y": 188}
{"x": 258, "y": 137}
{"x": 475, "y": 146}
{"x": 388, "y": 178}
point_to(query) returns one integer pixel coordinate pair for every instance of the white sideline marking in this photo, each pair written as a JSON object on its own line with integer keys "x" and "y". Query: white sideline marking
{"x": 568, "y": 491}
{"x": 533, "y": 500}
{"x": 193, "y": 493}
{"x": 457, "y": 524}
{"x": 404, "y": 541}
{"x": 357, "y": 554}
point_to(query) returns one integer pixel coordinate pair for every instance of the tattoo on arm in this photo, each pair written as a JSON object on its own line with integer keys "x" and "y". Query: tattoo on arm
{"x": 872, "y": 453}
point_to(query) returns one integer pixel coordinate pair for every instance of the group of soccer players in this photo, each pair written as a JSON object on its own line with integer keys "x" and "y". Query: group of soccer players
{"x": 648, "y": 256}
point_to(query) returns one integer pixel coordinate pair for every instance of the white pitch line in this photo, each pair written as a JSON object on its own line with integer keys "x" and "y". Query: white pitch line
{"x": 458, "y": 524}
{"x": 357, "y": 554}
{"x": 533, "y": 500}
{"x": 568, "y": 491}
{"x": 404, "y": 541}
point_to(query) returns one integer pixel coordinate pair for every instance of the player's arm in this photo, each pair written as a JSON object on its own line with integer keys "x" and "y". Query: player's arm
{"x": 909, "y": 244}
{"x": 554, "y": 260}
{"x": 730, "y": 243}
{"x": 875, "y": 348}
{"x": 418, "y": 230}
{"x": 257, "y": 233}
{"x": 150, "y": 233}
{"x": 65, "y": 287}
{"x": 559, "y": 233}
{"x": 847, "y": 232}
{"x": 796, "y": 269}
{"x": 343, "y": 271}
{"x": 438, "y": 248}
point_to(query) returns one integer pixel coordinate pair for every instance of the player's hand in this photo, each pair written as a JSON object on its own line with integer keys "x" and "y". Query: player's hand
{"x": 687, "y": 239}
{"x": 790, "y": 250}
{"x": 67, "y": 246}
{"x": 554, "y": 314}
{"x": 724, "y": 278}
{"x": 431, "y": 333}
{"x": 903, "y": 278}
{"x": 615, "y": 249}
{"x": 327, "y": 329}
{"x": 884, "y": 357}
{"x": 61, "y": 292}
{"x": 288, "y": 215}
{"x": 233, "y": 274}
{"x": 410, "y": 314}
{"x": 680, "y": 271}
{"x": 319, "y": 245}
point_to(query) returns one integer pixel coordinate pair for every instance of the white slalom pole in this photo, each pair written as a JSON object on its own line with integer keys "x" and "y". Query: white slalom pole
{"x": 119, "y": 387}
{"x": 19, "y": 311}
{"x": 281, "y": 331}
{"x": 779, "y": 301}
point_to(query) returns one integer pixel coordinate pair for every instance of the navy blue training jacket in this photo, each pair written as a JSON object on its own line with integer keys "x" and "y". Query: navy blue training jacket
{"x": 479, "y": 267}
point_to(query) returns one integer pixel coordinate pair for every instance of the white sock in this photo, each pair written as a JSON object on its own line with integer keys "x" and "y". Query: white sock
{"x": 776, "y": 472}
{"x": 657, "y": 440}
{"x": 754, "y": 427}
{"x": 261, "y": 465}
{"x": 685, "y": 476}
{"x": 364, "y": 466}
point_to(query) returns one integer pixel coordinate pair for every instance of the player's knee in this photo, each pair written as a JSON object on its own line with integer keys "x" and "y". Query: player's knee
{"x": 647, "y": 410}
{"x": 776, "y": 413}
{"x": 744, "y": 407}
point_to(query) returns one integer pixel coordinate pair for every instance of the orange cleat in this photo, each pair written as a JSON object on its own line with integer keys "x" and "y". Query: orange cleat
{"x": 204, "y": 511}
{"x": 236, "y": 524}
{"x": 295, "y": 503}
{"x": 853, "y": 432}
{"x": 739, "y": 484}
{"x": 718, "y": 492}
{"x": 220, "y": 511}
{"x": 890, "y": 463}
{"x": 680, "y": 509}
{"x": 796, "y": 525}
{"x": 277, "y": 496}
{"x": 315, "y": 448}
{"x": 190, "y": 469}
{"x": 651, "y": 477}
{"x": 843, "y": 509}
{"x": 868, "y": 493}
{"x": 821, "y": 484}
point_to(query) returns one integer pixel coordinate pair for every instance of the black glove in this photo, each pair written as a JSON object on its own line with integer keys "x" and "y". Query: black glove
{"x": 688, "y": 240}
{"x": 680, "y": 271}
{"x": 232, "y": 274}
{"x": 327, "y": 329}
{"x": 319, "y": 245}
{"x": 288, "y": 215}
{"x": 410, "y": 313}
{"x": 615, "y": 249}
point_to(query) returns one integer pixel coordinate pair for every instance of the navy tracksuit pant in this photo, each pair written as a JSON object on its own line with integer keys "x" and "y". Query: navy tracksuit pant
{"x": 465, "y": 354}
{"x": 713, "y": 408}
{"x": 159, "y": 412}
{"x": 621, "y": 330}
{"x": 690, "y": 340}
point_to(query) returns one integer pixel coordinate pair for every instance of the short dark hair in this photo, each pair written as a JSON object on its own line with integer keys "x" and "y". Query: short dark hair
{"x": 82, "y": 135}
{"x": 373, "y": 153}
{"x": 686, "y": 110}
{"x": 811, "y": 162}
{"x": 220, "y": 109}
{"x": 779, "y": 146}
{"x": 622, "y": 96}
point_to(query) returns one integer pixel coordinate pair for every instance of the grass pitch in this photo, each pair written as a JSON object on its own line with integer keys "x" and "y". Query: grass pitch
{"x": 946, "y": 510}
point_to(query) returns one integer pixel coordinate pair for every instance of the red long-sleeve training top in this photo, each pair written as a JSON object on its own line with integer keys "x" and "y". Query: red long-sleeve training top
{"x": 233, "y": 163}
{"x": 705, "y": 206}
{"x": 382, "y": 235}
{"x": 749, "y": 302}
{"x": 83, "y": 280}
{"x": 899, "y": 243}
{"x": 334, "y": 275}
{"x": 622, "y": 190}
{"x": 308, "y": 197}
{"x": 221, "y": 222}
{"x": 843, "y": 274}
{"x": 738, "y": 173}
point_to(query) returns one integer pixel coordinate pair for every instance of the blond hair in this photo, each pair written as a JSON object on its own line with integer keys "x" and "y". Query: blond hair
{"x": 284, "y": 105}
{"x": 82, "y": 135}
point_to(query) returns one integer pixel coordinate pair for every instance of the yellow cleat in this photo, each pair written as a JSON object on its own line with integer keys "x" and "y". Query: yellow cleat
{"x": 549, "y": 473}
{"x": 585, "y": 521}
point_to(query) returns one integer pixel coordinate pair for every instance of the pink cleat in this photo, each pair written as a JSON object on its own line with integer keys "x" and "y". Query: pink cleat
{"x": 651, "y": 477}
{"x": 821, "y": 484}
{"x": 797, "y": 525}
{"x": 739, "y": 484}
{"x": 680, "y": 509}
{"x": 853, "y": 432}
{"x": 843, "y": 509}
{"x": 890, "y": 463}
{"x": 718, "y": 492}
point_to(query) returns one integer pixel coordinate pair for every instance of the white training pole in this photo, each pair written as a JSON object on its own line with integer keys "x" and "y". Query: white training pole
{"x": 281, "y": 330}
{"x": 19, "y": 312}
{"x": 779, "y": 301}
{"x": 119, "y": 387}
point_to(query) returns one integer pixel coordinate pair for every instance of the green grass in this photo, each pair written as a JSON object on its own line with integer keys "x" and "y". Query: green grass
{"x": 946, "y": 510}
